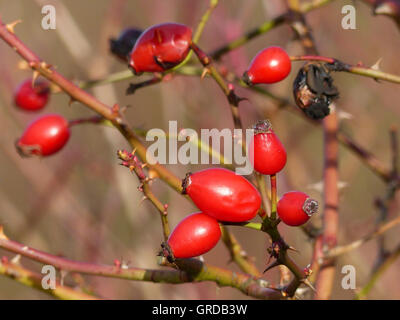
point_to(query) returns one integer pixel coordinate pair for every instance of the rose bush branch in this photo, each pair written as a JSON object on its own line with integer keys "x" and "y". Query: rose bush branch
{"x": 238, "y": 255}
{"x": 328, "y": 239}
{"x": 191, "y": 271}
{"x": 226, "y": 88}
{"x": 340, "y": 250}
{"x": 34, "y": 280}
{"x": 337, "y": 65}
{"x": 132, "y": 162}
{"x": 388, "y": 260}
{"x": 264, "y": 28}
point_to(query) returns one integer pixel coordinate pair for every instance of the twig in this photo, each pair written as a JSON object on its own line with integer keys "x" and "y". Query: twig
{"x": 326, "y": 274}
{"x": 274, "y": 198}
{"x": 358, "y": 70}
{"x": 227, "y": 89}
{"x": 132, "y": 162}
{"x": 386, "y": 262}
{"x": 238, "y": 255}
{"x": 34, "y": 280}
{"x": 91, "y": 120}
{"x": 262, "y": 186}
{"x": 249, "y": 225}
{"x": 264, "y": 28}
{"x": 192, "y": 270}
{"x": 339, "y": 250}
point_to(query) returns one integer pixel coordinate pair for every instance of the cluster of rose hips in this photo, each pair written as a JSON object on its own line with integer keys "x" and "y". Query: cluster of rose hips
{"x": 223, "y": 196}
{"x": 47, "y": 134}
{"x": 220, "y": 194}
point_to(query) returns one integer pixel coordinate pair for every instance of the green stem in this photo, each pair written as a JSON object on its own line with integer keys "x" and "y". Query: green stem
{"x": 250, "y": 225}
{"x": 273, "y": 196}
{"x": 379, "y": 271}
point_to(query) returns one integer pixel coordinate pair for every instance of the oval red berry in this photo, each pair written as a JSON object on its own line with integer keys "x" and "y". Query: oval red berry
{"x": 266, "y": 152}
{"x": 295, "y": 208}
{"x": 30, "y": 98}
{"x": 194, "y": 236}
{"x": 223, "y": 194}
{"x": 44, "y": 136}
{"x": 161, "y": 47}
{"x": 270, "y": 65}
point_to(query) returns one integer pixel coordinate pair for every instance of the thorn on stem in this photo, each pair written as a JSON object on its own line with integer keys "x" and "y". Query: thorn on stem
{"x": 10, "y": 26}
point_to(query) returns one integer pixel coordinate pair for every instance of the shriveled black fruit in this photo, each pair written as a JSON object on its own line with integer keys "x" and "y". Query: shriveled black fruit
{"x": 122, "y": 46}
{"x": 314, "y": 91}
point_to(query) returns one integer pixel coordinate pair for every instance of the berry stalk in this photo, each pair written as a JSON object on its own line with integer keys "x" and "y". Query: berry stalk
{"x": 273, "y": 196}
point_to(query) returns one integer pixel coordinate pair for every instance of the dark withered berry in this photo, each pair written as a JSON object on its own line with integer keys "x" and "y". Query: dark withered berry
{"x": 123, "y": 45}
{"x": 314, "y": 91}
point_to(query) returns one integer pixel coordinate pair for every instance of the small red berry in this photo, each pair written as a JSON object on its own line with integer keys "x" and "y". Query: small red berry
{"x": 270, "y": 65}
{"x": 44, "y": 136}
{"x": 267, "y": 153}
{"x": 123, "y": 45}
{"x": 295, "y": 208}
{"x": 223, "y": 194}
{"x": 194, "y": 235}
{"x": 161, "y": 47}
{"x": 30, "y": 98}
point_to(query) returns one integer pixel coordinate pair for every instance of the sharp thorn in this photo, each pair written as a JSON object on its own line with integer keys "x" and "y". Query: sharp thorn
{"x": 272, "y": 265}
{"x": 10, "y": 26}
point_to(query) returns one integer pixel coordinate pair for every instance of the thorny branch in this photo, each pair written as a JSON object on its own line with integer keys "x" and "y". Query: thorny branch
{"x": 191, "y": 270}
{"x": 132, "y": 162}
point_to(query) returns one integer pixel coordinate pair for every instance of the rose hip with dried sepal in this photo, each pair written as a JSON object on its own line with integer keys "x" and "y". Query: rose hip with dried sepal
{"x": 32, "y": 98}
{"x": 44, "y": 136}
{"x": 222, "y": 194}
{"x": 161, "y": 47}
{"x": 296, "y": 208}
{"x": 195, "y": 235}
{"x": 266, "y": 152}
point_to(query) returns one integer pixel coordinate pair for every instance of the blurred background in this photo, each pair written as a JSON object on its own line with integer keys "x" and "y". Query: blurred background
{"x": 81, "y": 204}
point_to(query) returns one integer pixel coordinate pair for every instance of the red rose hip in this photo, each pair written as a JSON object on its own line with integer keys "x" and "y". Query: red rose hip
{"x": 198, "y": 233}
{"x": 44, "y": 136}
{"x": 161, "y": 47}
{"x": 266, "y": 152}
{"x": 222, "y": 194}
{"x": 270, "y": 65}
{"x": 295, "y": 208}
{"x": 30, "y": 98}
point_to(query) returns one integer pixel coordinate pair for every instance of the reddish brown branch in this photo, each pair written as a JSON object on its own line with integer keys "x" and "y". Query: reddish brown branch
{"x": 328, "y": 239}
{"x": 192, "y": 270}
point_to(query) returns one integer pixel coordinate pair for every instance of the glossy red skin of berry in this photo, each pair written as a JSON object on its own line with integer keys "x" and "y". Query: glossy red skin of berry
{"x": 195, "y": 235}
{"x": 270, "y": 65}
{"x": 30, "y": 98}
{"x": 267, "y": 153}
{"x": 169, "y": 43}
{"x": 44, "y": 136}
{"x": 223, "y": 195}
{"x": 290, "y": 208}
